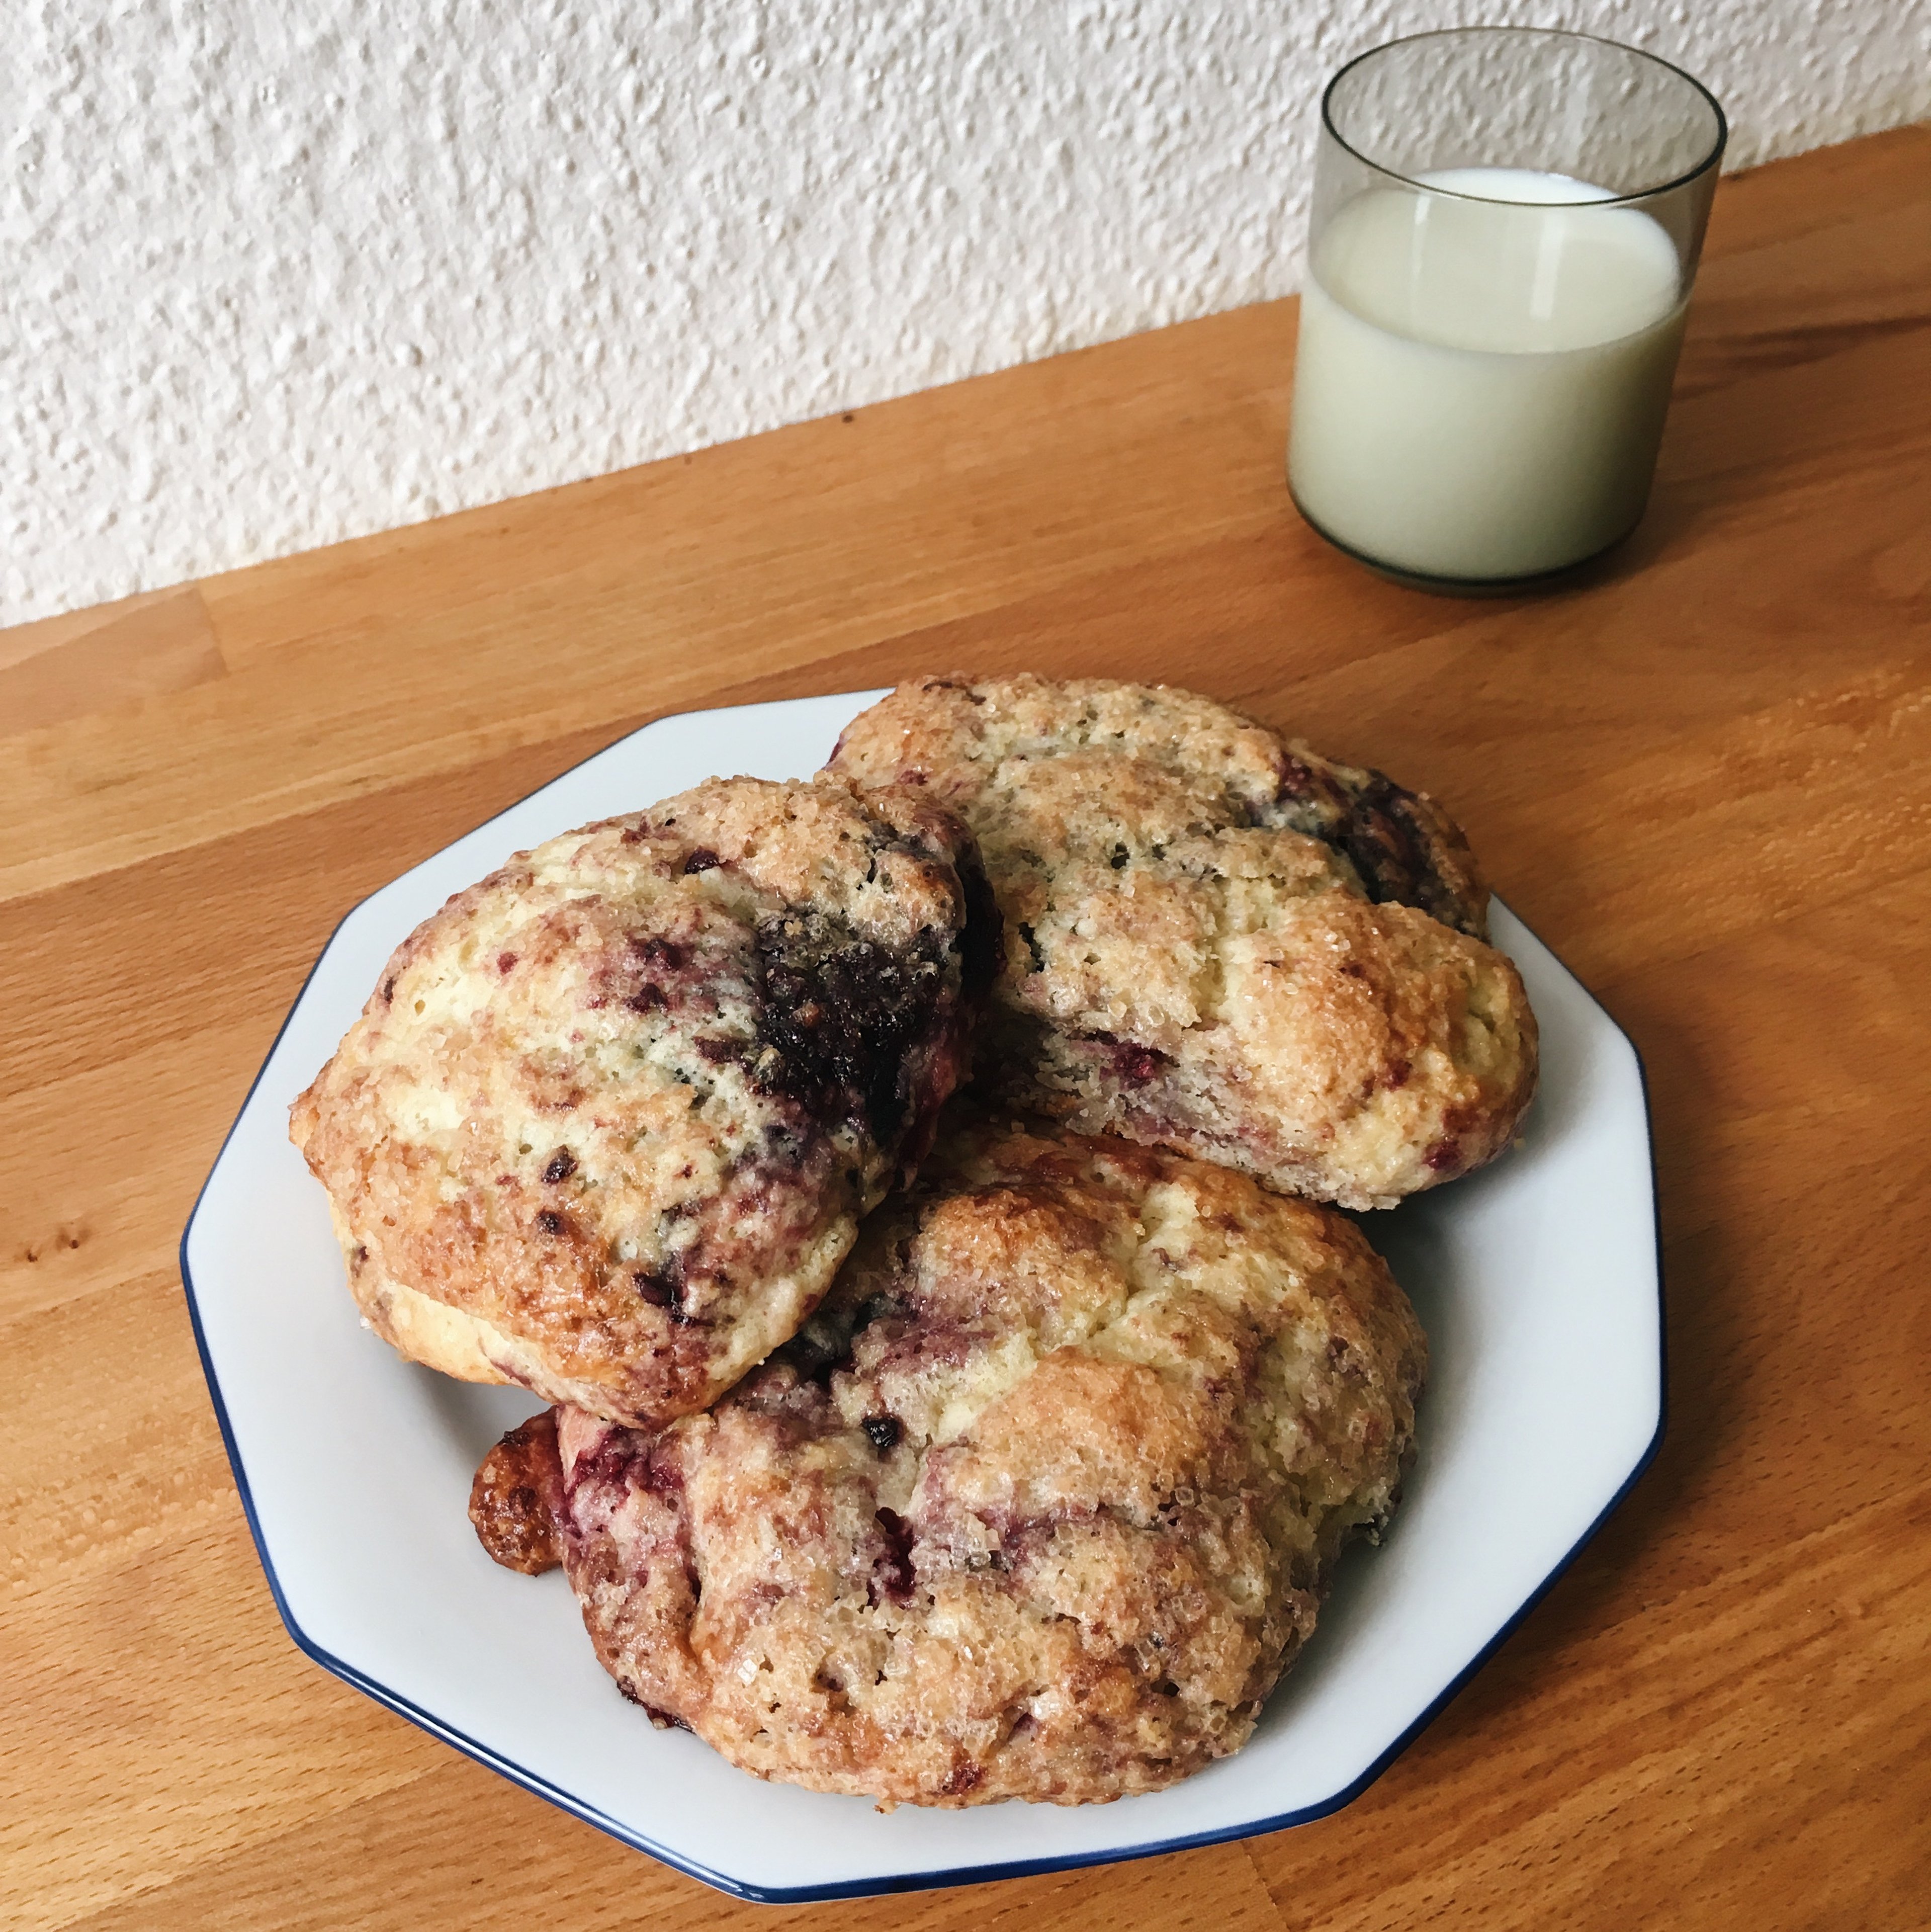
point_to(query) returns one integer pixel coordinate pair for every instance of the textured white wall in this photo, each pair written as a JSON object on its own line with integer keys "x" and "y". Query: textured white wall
{"x": 278, "y": 273}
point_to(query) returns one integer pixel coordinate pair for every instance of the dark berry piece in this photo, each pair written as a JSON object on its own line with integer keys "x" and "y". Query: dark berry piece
{"x": 891, "y": 1574}
{"x": 662, "y": 1287}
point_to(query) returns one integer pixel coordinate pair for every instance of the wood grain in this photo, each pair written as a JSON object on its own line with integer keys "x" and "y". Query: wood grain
{"x": 1704, "y": 776}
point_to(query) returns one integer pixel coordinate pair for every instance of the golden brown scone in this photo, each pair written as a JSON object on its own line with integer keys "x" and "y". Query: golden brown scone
{"x": 1039, "y": 1504}
{"x": 1216, "y": 940}
{"x": 608, "y": 1123}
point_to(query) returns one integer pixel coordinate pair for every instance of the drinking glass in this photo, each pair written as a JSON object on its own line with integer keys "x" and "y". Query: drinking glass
{"x": 1504, "y": 232}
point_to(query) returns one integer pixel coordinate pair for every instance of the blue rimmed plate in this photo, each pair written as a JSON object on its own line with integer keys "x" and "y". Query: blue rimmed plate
{"x": 1537, "y": 1280}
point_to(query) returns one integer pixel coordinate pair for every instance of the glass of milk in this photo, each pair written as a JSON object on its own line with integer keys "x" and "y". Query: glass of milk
{"x": 1504, "y": 231}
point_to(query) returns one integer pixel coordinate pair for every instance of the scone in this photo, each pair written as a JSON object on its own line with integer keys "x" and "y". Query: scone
{"x": 1216, "y": 940}
{"x": 609, "y": 1123}
{"x": 1040, "y": 1504}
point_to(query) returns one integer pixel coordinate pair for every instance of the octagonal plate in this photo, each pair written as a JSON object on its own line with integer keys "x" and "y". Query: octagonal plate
{"x": 1537, "y": 1280}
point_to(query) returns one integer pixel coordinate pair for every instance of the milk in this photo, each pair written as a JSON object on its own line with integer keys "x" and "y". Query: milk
{"x": 1480, "y": 388}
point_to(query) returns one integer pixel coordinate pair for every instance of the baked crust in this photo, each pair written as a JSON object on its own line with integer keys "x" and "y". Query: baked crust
{"x": 1039, "y": 1504}
{"x": 1217, "y": 940}
{"x": 516, "y": 1502}
{"x": 609, "y": 1122}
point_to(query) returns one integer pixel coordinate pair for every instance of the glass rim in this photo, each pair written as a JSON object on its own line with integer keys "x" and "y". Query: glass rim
{"x": 1709, "y": 161}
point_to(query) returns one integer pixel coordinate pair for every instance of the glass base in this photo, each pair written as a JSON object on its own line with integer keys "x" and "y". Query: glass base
{"x": 1559, "y": 578}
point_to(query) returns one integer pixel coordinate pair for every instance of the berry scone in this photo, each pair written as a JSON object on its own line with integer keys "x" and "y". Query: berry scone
{"x": 1216, "y": 940}
{"x": 611, "y": 1120}
{"x": 1039, "y": 1503}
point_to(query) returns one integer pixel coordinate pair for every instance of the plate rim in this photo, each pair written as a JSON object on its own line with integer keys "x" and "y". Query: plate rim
{"x": 885, "y": 1884}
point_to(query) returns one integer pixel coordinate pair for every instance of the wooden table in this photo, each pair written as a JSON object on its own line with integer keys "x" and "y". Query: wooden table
{"x": 1705, "y": 778}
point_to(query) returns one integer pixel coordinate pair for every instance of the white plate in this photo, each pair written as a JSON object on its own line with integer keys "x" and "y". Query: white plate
{"x": 1537, "y": 1280}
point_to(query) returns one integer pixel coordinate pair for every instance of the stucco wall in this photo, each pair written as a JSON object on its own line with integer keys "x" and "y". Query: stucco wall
{"x": 281, "y": 274}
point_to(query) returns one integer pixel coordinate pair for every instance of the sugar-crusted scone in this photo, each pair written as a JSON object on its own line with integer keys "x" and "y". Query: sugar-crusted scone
{"x": 1040, "y": 1503}
{"x": 608, "y": 1123}
{"x": 1216, "y": 940}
